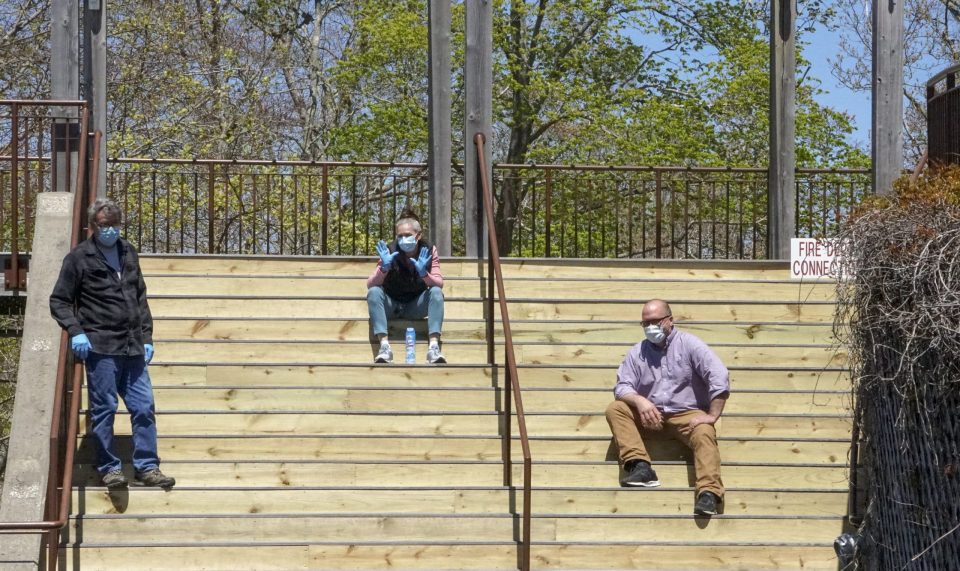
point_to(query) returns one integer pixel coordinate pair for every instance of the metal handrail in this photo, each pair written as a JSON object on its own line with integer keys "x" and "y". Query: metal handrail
{"x": 512, "y": 386}
{"x": 60, "y": 477}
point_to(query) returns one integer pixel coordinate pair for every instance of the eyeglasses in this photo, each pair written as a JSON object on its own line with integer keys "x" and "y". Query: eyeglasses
{"x": 656, "y": 321}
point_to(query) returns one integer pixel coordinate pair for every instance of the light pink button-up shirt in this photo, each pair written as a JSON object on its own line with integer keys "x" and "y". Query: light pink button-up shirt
{"x": 684, "y": 375}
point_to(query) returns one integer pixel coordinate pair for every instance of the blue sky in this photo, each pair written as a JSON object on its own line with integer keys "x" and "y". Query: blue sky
{"x": 820, "y": 51}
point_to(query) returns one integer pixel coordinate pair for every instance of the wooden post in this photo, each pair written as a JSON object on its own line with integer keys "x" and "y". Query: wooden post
{"x": 781, "y": 188}
{"x": 439, "y": 158}
{"x": 95, "y": 78}
{"x": 887, "y": 116}
{"x": 478, "y": 85}
{"x": 64, "y": 84}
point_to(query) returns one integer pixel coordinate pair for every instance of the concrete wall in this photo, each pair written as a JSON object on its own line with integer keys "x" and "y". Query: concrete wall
{"x": 27, "y": 463}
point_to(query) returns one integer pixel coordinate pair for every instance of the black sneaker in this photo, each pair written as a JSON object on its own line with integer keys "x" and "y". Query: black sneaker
{"x": 155, "y": 478}
{"x": 114, "y": 479}
{"x": 707, "y": 503}
{"x": 639, "y": 473}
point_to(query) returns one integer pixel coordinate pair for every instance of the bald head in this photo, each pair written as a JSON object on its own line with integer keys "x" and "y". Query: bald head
{"x": 655, "y": 309}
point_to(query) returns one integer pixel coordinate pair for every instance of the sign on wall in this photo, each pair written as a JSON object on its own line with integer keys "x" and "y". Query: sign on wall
{"x": 814, "y": 258}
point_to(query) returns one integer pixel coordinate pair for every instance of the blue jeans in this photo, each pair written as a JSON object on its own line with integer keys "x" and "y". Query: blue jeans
{"x": 383, "y": 307}
{"x": 107, "y": 377}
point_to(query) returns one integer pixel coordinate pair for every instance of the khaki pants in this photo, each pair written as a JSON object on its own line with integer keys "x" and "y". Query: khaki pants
{"x": 625, "y": 424}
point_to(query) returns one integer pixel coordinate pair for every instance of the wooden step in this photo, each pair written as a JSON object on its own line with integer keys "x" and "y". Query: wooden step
{"x": 358, "y": 330}
{"x": 263, "y": 473}
{"x": 256, "y": 528}
{"x": 447, "y": 528}
{"x": 193, "y": 307}
{"x": 484, "y": 424}
{"x": 171, "y": 351}
{"x": 634, "y": 289}
{"x": 569, "y": 401}
{"x": 346, "y": 555}
{"x": 620, "y": 501}
{"x": 647, "y": 556}
{"x": 462, "y": 267}
{"x": 531, "y": 377}
{"x": 346, "y": 448}
{"x": 686, "y": 528}
{"x": 149, "y": 502}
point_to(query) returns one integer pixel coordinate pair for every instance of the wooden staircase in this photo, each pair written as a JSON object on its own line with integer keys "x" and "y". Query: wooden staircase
{"x": 293, "y": 451}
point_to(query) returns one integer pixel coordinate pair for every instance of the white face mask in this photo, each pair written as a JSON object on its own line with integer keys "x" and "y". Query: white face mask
{"x": 654, "y": 334}
{"x": 407, "y": 243}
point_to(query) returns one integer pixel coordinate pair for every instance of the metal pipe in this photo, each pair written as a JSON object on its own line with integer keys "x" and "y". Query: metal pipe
{"x": 14, "y": 198}
{"x": 494, "y": 254}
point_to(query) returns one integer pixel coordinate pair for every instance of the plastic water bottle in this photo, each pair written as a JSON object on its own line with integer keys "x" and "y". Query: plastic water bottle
{"x": 411, "y": 346}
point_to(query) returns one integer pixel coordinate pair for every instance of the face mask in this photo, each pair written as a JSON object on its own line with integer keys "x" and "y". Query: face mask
{"x": 654, "y": 334}
{"x": 407, "y": 243}
{"x": 108, "y": 236}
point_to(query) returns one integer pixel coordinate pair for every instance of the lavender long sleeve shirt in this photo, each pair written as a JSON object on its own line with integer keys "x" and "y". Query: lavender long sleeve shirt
{"x": 684, "y": 375}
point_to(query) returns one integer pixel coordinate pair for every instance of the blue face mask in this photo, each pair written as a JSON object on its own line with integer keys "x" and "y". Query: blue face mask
{"x": 407, "y": 243}
{"x": 108, "y": 236}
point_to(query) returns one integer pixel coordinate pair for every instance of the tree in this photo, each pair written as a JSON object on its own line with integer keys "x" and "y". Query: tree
{"x": 931, "y": 43}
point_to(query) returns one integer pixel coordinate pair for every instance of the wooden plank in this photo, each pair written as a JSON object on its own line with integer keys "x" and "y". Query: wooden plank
{"x": 439, "y": 155}
{"x": 887, "y": 90}
{"x": 320, "y": 375}
{"x": 208, "y": 308}
{"x": 149, "y": 503}
{"x": 276, "y": 266}
{"x": 781, "y": 186}
{"x": 176, "y": 424}
{"x": 753, "y": 557}
{"x": 287, "y": 557}
{"x": 599, "y": 377}
{"x": 572, "y": 402}
{"x": 592, "y": 475}
{"x": 523, "y": 331}
{"x": 139, "y": 531}
{"x": 627, "y": 290}
{"x": 445, "y": 448}
{"x": 171, "y": 351}
{"x": 788, "y": 530}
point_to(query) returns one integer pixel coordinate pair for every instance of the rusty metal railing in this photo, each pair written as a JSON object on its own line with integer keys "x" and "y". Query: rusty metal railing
{"x": 38, "y": 140}
{"x": 62, "y": 440}
{"x": 512, "y": 386}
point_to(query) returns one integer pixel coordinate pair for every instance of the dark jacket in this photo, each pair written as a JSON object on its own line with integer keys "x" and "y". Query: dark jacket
{"x": 90, "y": 298}
{"x": 402, "y": 282}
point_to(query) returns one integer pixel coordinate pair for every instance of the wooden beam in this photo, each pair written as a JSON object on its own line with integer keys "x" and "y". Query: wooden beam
{"x": 887, "y": 127}
{"x": 781, "y": 198}
{"x": 478, "y": 84}
{"x": 64, "y": 84}
{"x": 95, "y": 78}
{"x": 441, "y": 219}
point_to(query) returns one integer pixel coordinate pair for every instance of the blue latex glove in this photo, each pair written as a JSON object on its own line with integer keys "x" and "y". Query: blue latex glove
{"x": 422, "y": 263}
{"x": 386, "y": 257}
{"x": 148, "y": 352}
{"x": 80, "y": 345}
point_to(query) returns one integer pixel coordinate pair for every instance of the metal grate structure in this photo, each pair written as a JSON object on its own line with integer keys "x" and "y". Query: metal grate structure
{"x": 943, "y": 117}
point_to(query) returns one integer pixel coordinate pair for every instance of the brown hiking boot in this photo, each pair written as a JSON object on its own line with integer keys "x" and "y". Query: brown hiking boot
{"x": 114, "y": 479}
{"x": 155, "y": 478}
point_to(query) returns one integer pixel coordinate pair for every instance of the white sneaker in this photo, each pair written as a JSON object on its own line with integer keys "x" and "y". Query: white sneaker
{"x": 434, "y": 356}
{"x": 385, "y": 355}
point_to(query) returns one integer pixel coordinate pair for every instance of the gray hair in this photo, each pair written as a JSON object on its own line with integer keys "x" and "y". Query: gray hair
{"x": 106, "y": 206}
{"x": 413, "y": 222}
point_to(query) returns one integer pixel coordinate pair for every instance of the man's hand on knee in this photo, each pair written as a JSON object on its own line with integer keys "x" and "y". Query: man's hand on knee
{"x": 650, "y": 416}
{"x": 702, "y": 418}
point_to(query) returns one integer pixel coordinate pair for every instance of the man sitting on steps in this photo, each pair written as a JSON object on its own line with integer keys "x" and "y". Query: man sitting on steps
{"x": 406, "y": 284}
{"x": 671, "y": 382}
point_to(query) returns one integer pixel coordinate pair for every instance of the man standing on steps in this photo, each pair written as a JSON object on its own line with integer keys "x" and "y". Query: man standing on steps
{"x": 406, "y": 284}
{"x": 671, "y": 382}
{"x": 100, "y": 299}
